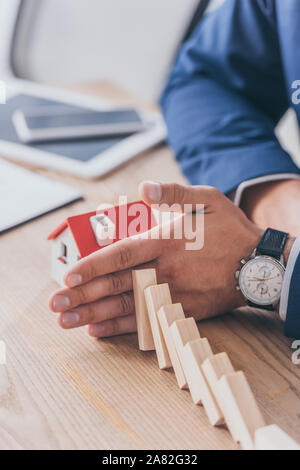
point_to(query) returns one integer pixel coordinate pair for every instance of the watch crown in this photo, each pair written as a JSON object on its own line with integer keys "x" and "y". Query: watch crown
{"x": 237, "y": 274}
{"x": 243, "y": 261}
{"x": 237, "y": 288}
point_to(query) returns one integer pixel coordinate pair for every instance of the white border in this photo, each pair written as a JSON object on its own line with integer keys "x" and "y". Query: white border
{"x": 100, "y": 164}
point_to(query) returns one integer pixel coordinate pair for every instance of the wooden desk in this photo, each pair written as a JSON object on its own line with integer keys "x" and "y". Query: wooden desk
{"x": 64, "y": 390}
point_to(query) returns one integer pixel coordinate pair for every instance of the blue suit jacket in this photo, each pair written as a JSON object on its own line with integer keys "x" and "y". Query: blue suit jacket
{"x": 230, "y": 85}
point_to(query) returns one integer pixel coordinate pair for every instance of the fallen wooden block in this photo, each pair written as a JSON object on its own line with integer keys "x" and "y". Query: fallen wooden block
{"x": 142, "y": 279}
{"x": 240, "y": 409}
{"x": 167, "y": 315}
{"x": 184, "y": 331}
{"x": 156, "y": 297}
{"x": 192, "y": 356}
{"x": 214, "y": 367}
{"x": 274, "y": 438}
{"x": 192, "y": 351}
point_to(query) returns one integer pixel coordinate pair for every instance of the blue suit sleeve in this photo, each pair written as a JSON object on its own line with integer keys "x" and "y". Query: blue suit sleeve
{"x": 226, "y": 94}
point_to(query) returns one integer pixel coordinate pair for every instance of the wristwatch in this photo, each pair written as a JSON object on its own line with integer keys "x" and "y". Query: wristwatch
{"x": 260, "y": 277}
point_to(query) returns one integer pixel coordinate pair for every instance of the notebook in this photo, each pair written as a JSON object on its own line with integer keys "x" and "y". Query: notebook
{"x": 25, "y": 195}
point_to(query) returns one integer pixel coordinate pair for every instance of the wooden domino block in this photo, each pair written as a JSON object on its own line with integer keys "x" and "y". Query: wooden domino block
{"x": 184, "y": 331}
{"x": 274, "y": 438}
{"x": 142, "y": 279}
{"x": 166, "y": 316}
{"x": 192, "y": 356}
{"x": 214, "y": 367}
{"x": 240, "y": 409}
{"x": 156, "y": 297}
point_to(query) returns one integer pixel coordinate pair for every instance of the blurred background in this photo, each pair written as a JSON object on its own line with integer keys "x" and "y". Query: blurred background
{"x": 132, "y": 42}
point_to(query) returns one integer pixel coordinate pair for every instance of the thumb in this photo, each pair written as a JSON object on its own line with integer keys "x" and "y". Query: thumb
{"x": 159, "y": 193}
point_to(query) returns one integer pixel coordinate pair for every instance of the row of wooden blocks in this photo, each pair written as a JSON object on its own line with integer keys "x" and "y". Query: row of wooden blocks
{"x": 224, "y": 393}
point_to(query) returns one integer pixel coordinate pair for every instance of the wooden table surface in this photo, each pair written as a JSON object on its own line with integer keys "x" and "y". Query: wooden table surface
{"x": 63, "y": 390}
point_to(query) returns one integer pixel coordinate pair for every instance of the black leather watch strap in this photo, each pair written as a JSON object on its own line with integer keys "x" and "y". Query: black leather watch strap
{"x": 264, "y": 307}
{"x": 272, "y": 243}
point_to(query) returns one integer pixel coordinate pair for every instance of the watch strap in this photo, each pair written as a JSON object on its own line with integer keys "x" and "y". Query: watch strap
{"x": 264, "y": 307}
{"x": 272, "y": 243}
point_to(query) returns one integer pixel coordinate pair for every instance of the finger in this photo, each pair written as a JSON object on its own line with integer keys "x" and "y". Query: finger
{"x": 100, "y": 311}
{"x": 119, "y": 326}
{"x": 169, "y": 194}
{"x": 117, "y": 257}
{"x": 111, "y": 284}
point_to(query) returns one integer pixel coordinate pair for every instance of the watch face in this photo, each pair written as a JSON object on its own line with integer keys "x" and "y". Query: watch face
{"x": 261, "y": 280}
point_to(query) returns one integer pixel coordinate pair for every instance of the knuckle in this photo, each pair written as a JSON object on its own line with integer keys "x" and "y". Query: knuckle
{"x": 113, "y": 328}
{"x": 214, "y": 191}
{"x": 126, "y": 304}
{"x": 115, "y": 283}
{"x": 177, "y": 193}
{"x": 90, "y": 314}
{"x": 124, "y": 257}
{"x": 82, "y": 296}
{"x": 91, "y": 270}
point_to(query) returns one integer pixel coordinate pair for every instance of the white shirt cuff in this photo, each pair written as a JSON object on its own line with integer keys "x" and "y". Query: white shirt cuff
{"x": 295, "y": 251}
{"x": 261, "y": 179}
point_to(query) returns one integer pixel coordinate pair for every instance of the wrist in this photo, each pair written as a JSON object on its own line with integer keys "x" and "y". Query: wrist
{"x": 274, "y": 204}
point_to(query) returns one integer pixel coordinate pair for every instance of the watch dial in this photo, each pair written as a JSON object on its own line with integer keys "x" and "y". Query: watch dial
{"x": 261, "y": 280}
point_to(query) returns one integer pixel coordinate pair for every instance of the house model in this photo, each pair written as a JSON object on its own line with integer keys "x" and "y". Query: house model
{"x": 82, "y": 235}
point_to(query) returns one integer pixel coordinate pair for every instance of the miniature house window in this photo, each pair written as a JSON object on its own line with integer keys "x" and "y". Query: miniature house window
{"x": 63, "y": 252}
{"x": 104, "y": 229}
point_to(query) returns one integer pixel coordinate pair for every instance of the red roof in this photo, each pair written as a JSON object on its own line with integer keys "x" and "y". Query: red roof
{"x": 138, "y": 218}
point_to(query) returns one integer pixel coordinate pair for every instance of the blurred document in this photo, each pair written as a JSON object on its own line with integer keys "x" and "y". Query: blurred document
{"x": 25, "y": 195}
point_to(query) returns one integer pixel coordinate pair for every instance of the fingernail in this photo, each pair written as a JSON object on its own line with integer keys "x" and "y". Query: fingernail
{"x": 153, "y": 190}
{"x": 60, "y": 303}
{"x": 97, "y": 330}
{"x": 74, "y": 280}
{"x": 70, "y": 319}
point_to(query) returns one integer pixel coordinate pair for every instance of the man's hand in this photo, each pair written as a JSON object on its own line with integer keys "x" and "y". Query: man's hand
{"x": 99, "y": 288}
{"x": 275, "y": 204}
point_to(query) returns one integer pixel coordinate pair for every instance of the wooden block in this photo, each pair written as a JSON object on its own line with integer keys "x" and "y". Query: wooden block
{"x": 156, "y": 297}
{"x": 214, "y": 367}
{"x": 166, "y": 316}
{"x": 192, "y": 355}
{"x": 184, "y": 331}
{"x": 240, "y": 409}
{"x": 142, "y": 279}
{"x": 274, "y": 438}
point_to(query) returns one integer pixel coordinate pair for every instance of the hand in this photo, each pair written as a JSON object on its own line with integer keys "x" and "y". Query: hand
{"x": 275, "y": 204}
{"x": 99, "y": 288}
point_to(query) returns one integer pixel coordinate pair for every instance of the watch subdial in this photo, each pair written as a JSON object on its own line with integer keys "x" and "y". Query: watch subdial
{"x": 264, "y": 272}
{"x": 262, "y": 288}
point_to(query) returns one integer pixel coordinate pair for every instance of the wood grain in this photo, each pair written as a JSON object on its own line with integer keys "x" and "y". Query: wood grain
{"x": 143, "y": 278}
{"x": 63, "y": 390}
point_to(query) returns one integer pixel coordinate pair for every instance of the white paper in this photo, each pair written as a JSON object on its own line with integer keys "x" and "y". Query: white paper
{"x": 25, "y": 195}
